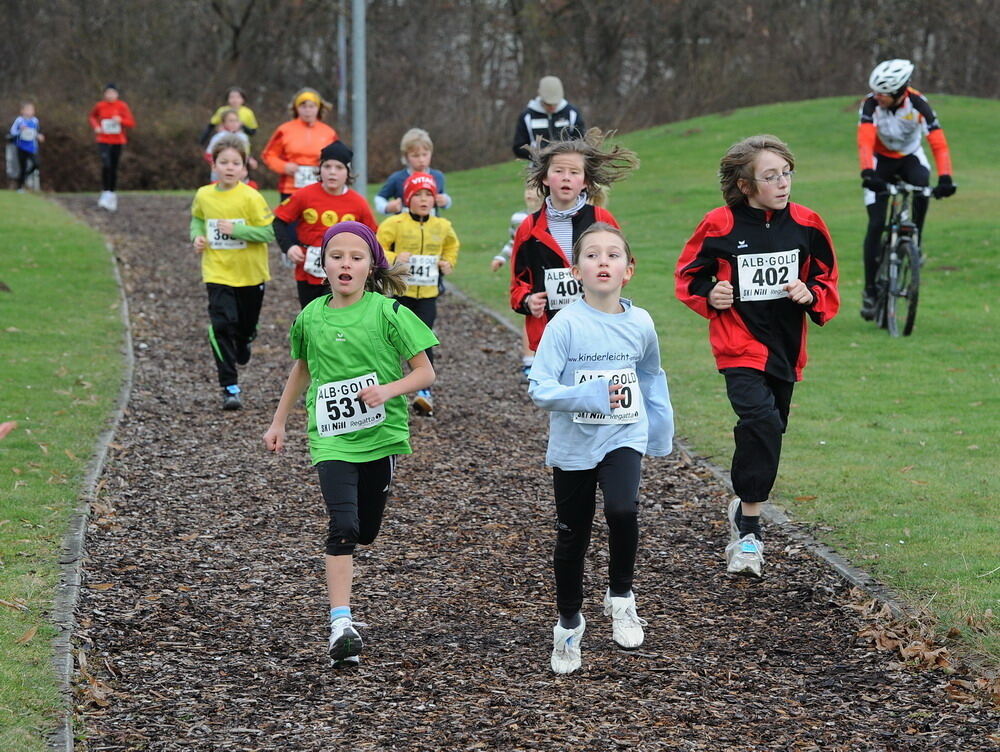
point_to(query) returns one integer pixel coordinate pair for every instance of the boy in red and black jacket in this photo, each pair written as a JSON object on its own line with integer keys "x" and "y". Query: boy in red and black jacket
{"x": 109, "y": 118}
{"x": 758, "y": 269}
{"x": 564, "y": 173}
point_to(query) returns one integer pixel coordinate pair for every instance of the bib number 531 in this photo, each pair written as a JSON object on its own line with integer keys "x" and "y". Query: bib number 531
{"x": 340, "y": 410}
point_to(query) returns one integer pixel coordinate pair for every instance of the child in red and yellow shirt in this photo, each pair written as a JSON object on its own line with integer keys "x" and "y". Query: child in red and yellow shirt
{"x": 301, "y": 219}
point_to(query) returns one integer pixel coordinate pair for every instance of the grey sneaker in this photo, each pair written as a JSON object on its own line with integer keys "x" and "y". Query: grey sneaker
{"x": 231, "y": 398}
{"x": 745, "y": 556}
{"x": 345, "y": 643}
{"x": 731, "y": 513}
{"x": 566, "y": 647}
{"x": 626, "y": 624}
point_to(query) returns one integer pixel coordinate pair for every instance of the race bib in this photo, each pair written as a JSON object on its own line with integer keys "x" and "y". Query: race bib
{"x": 306, "y": 175}
{"x": 27, "y": 134}
{"x": 423, "y": 270}
{"x": 110, "y": 126}
{"x": 763, "y": 275}
{"x": 339, "y": 410}
{"x": 628, "y": 411}
{"x": 219, "y": 240}
{"x": 312, "y": 263}
{"x": 561, "y": 288}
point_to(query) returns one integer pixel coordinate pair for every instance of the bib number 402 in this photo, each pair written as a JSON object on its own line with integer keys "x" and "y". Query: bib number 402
{"x": 771, "y": 276}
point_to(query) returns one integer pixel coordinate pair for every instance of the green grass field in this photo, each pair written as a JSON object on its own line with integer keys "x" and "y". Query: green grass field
{"x": 891, "y": 453}
{"x": 60, "y": 341}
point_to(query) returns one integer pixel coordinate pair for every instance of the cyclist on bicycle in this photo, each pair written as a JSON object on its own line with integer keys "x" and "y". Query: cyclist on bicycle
{"x": 893, "y": 120}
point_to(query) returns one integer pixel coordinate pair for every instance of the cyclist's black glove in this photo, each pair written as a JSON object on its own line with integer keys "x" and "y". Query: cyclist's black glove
{"x": 945, "y": 187}
{"x": 873, "y": 182}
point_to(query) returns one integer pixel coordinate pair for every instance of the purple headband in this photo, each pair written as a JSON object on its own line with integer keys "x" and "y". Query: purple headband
{"x": 365, "y": 233}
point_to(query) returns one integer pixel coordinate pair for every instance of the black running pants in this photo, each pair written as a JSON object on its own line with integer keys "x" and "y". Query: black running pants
{"x": 233, "y": 313}
{"x": 355, "y": 494}
{"x": 576, "y": 500}
{"x": 111, "y": 154}
{"x": 761, "y": 401}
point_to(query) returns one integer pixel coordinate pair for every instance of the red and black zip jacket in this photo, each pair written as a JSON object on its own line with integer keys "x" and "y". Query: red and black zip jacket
{"x": 768, "y": 335}
{"x": 535, "y": 250}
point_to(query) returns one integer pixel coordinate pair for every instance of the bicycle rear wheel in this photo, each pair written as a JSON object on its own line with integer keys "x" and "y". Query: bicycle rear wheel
{"x": 904, "y": 289}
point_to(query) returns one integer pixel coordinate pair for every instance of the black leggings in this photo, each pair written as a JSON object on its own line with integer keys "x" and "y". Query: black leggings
{"x": 28, "y": 162}
{"x": 914, "y": 172}
{"x": 576, "y": 499}
{"x": 110, "y": 156}
{"x": 761, "y": 401}
{"x": 233, "y": 312}
{"x": 355, "y": 494}
{"x": 308, "y": 292}
{"x": 426, "y": 311}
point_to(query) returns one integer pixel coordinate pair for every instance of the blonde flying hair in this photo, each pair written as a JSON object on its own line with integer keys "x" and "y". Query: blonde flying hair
{"x": 391, "y": 282}
{"x": 737, "y": 166}
{"x": 230, "y": 142}
{"x": 602, "y": 165}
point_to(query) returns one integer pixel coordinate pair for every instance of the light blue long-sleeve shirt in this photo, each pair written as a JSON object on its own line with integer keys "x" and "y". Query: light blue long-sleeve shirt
{"x": 583, "y": 429}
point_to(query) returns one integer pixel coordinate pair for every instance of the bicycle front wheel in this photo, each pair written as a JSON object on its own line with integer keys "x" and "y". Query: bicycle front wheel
{"x": 904, "y": 289}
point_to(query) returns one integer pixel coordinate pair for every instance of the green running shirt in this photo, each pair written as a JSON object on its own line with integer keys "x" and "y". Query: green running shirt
{"x": 343, "y": 344}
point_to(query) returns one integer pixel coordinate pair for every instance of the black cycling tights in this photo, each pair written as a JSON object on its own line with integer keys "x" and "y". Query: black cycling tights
{"x": 910, "y": 169}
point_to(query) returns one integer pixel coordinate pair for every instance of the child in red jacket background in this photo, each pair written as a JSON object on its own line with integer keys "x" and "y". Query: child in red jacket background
{"x": 109, "y": 118}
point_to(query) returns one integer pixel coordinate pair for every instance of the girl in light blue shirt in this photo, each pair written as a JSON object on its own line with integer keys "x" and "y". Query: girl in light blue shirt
{"x": 597, "y": 371}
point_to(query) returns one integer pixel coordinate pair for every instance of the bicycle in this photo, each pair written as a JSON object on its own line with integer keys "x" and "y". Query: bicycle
{"x": 897, "y": 284}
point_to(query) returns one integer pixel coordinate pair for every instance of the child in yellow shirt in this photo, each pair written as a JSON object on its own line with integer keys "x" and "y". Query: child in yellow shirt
{"x": 230, "y": 228}
{"x": 430, "y": 246}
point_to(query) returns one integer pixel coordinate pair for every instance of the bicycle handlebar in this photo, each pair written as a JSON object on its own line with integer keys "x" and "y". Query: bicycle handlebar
{"x": 894, "y": 188}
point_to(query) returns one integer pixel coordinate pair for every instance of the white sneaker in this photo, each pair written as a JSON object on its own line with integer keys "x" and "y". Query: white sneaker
{"x": 566, "y": 647}
{"x": 112, "y": 201}
{"x": 734, "y": 530}
{"x": 345, "y": 643}
{"x": 626, "y": 625}
{"x": 102, "y": 200}
{"x": 745, "y": 556}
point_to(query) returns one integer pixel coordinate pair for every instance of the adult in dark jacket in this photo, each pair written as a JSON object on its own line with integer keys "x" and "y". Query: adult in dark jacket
{"x": 548, "y": 117}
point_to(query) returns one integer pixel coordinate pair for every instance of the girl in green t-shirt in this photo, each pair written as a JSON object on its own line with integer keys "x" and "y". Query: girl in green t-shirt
{"x": 347, "y": 347}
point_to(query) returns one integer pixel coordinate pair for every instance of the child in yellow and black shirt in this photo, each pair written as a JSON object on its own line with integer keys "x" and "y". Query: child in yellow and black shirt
{"x": 429, "y": 245}
{"x": 230, "y": 228}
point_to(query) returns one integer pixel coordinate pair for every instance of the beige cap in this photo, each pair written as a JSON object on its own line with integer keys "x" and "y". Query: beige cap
{"x": 550, "y": 89}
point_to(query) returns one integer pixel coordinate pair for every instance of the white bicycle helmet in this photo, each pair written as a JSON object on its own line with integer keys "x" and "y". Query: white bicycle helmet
{"x": 890, "y": 76}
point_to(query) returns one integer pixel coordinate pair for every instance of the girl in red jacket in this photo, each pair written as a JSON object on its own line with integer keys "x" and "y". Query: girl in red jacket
{"x": 109, "y": 118}
{"x": 568, "y": 174}
{"x": 758, "y": 269}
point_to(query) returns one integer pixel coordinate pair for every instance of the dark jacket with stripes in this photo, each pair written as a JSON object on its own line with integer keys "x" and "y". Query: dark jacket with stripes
{"x": 767, "y": 335}
{"x": 535, "y": 124}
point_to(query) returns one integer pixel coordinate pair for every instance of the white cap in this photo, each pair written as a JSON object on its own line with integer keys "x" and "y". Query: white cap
{"x": 550, "y": 89}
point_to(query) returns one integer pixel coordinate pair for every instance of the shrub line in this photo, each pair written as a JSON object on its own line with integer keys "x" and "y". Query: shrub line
{"x": 71, "y": 559}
